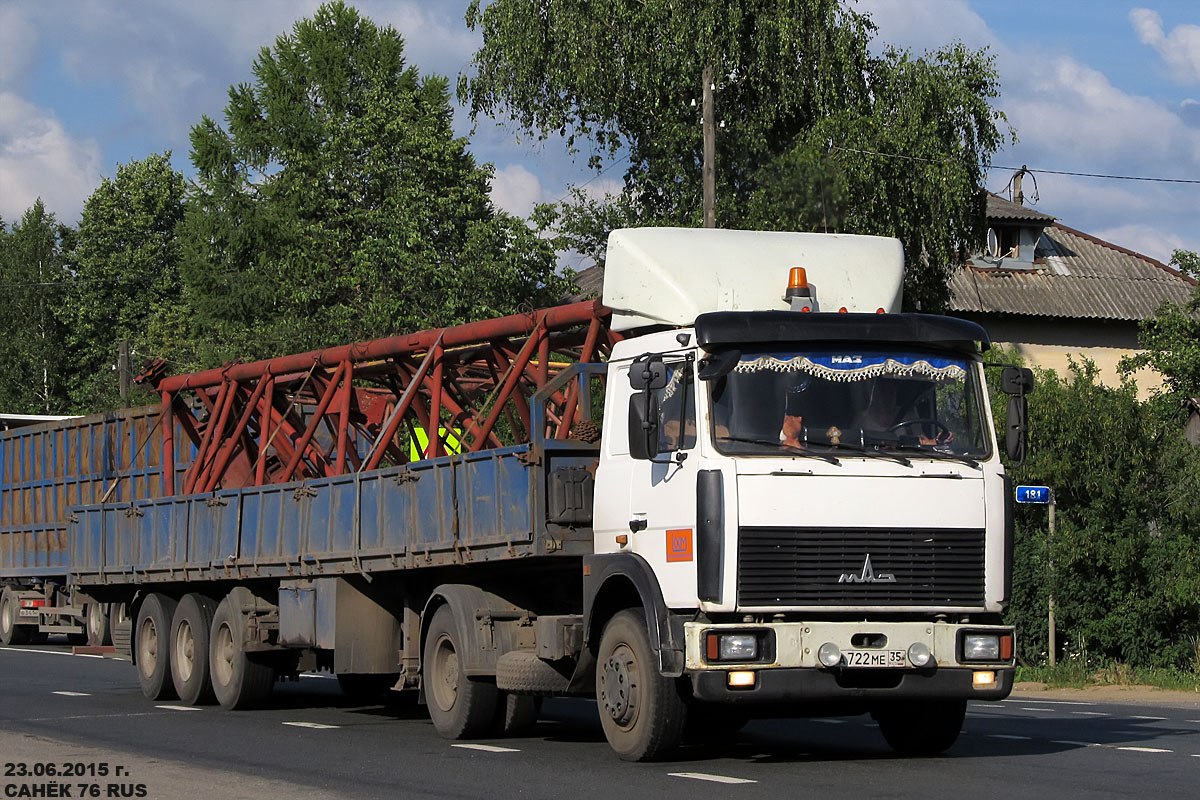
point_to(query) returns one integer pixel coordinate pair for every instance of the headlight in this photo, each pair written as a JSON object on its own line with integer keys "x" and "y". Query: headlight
{"x": 738, "y": 647}
{"x": 981, "y": 647}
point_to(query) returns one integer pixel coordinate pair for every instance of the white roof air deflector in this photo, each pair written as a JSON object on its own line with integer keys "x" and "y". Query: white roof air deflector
{"x": 669, "y": 276}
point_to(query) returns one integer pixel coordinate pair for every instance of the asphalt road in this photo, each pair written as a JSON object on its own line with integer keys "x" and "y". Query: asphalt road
{"x": 58, "y": 709}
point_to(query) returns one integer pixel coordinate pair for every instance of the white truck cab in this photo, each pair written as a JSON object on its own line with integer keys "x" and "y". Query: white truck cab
{"x": 818, "y": 494}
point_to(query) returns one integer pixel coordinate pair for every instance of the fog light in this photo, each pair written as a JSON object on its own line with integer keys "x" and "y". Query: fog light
{"x": 919, "y": 655}
{"x": 982, "y": 680}
{"x": 981, "y": 647}
{"x": 829, "y": 654}
{"x": 738, "y": 647}
{"x": 741, "y": 679}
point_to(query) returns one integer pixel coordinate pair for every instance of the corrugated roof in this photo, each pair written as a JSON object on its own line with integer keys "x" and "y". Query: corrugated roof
{"x": 1074, "y": 275}
{"x": 590, "y": 283}
{"x": 999, "y": 208}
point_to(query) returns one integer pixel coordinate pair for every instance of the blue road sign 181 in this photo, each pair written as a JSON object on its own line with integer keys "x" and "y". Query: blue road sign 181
{"x": 1033, "y": 494}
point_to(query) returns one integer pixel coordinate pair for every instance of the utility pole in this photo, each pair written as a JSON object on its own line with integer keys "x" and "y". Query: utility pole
{"x": 1050, "y": 604}
{"x": 123, "y": 371}
{"x": 709, "y": 168}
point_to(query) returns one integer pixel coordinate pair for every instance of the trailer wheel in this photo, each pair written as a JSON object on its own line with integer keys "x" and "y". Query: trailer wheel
{"x": 921, "y": 728}
{"x": 153, "y": 648}
{"x": 239, "y": 680}
{"x": 641, "y": 711}
{"x": 190, "y": 629}
{"x": 10, "y": 631}
{"x": 99, "y": 632}
{"x": 460, "y": 706}
{"x": 516, "y": 714}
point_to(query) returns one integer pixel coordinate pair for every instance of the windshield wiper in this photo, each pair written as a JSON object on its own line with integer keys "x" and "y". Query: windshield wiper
{"x": 871, "y": 452}
{"x": 940, "y": 455}
{"x": 775, "y": 445}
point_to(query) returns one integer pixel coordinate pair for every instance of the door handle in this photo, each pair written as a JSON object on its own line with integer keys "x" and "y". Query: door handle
{"x": 636, "y": 525}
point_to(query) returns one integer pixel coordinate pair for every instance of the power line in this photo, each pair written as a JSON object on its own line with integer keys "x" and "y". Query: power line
{"x": 1027, "y": 169}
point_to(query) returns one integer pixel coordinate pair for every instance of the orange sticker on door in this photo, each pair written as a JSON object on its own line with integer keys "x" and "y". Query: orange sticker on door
{"x": 679, "y": 545}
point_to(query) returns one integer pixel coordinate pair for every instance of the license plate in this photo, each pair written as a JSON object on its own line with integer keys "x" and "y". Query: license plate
{"x": 874, "y": 658}
{"x": 28, "y": 612}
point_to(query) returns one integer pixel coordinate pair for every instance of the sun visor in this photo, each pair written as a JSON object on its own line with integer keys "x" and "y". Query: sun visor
{"x": 670, "y": 276}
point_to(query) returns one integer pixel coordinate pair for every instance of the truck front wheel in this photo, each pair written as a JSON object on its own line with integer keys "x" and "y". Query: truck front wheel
{"x": 921, "y": 728}
{"x": 153, "y": 631}
{"x": 460, "y": 706}
{"x": 641, "y": 711}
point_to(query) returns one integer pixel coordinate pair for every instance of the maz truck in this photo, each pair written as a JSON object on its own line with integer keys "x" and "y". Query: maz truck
{"x": 743, "y": 485}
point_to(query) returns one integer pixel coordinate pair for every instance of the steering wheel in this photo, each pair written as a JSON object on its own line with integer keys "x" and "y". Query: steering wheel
{"x": 942, "y": 429}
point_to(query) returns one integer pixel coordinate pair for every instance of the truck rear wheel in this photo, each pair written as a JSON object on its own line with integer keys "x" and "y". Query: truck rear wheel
{"x": 641, "y": 710}
{"x": 190, "y": 629}
{"x": 460, "y": 706}
{"x": 238, "y": 679}
{"x": 99, "y": 634}
{"x": 10, "y": 631}
{"x": 921, "y": 728}
{"x": 153, "y": 648}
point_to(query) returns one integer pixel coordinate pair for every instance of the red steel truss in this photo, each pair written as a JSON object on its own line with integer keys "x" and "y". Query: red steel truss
{"x": 366, "y": 405}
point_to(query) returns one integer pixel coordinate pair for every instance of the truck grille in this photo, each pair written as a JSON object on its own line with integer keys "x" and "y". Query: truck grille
{"x": 802, "y": 567}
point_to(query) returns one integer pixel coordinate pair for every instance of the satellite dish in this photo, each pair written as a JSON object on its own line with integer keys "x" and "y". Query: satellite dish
{"x": 993, "y": 243}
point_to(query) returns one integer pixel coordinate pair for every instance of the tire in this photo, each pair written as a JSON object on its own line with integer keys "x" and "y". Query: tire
{"x": 366, "y": 688}
{"x": 461, "y": 707}
{"x": 921, "y": 728}
{"x": 641, "y": 711}
{"x": 239, "y": 680}
{"x": 516, "y": 714}
{"x": 190, "y": 629}
{"x": 152, "y": 635}
{"x": 10, "y": 631}
{"x": 99, "y": 631}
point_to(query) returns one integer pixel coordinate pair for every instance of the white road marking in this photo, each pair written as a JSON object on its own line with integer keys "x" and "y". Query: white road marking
{"x": 314, "y": 725}
{"x": 47, "y": 652}
{"x": 1192, "y": 720}
{"x": 830, "y": 721}
{"x": 324, "y": 677}
{"x": 178, "y": 708}
{"x": 1089, "y": 713}
{"x": 1077, "y": 744}
{"x": 704, "y": 776}
{"x": 1008, "y": 736}
{"x": 1047, "y": 710}
{"x": 1052, "y": 702}
{"x": 73, "y": 694}
{"x": 487, "y": 748}
{"x": 1153, "y": 719}
{"x": 1146, "y": 749}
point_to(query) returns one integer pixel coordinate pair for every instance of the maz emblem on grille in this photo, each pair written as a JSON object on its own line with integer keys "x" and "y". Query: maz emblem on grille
{"x": 867, "y": 575}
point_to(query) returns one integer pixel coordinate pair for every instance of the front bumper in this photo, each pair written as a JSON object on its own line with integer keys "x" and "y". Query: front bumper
{"x": 789, "y": 671}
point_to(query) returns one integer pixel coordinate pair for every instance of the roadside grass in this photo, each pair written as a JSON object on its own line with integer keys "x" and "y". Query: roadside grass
{"x": 1075, "y": 675}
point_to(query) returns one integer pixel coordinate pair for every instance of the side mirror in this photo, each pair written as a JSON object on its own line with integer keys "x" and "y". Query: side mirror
{"x": 643, "y": 426}
{"x": 1016, "y": 381}
{"x": 1017, "y": 425}
{"x": 648, "y": 373}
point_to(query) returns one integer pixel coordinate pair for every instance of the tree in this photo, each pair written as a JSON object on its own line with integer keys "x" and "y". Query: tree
{"x": 33, "y": 269}
{"x": 126, "y": 275}
{"x": 817, "y": 133}
{"x": 1171, "y": 338}
{"x": 339, "y": 205}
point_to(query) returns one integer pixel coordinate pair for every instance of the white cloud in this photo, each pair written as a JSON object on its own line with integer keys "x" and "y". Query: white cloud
{"x": 1144, "y": 239}
{"x": 1179, "y": 49}
{"x": 516, "y": 190}
{"x": 39, "y": 159}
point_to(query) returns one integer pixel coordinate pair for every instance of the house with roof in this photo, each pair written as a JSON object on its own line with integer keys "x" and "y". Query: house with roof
{"x": 1050, "y": 292}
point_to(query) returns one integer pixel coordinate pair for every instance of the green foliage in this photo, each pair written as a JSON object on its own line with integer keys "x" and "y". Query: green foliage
{"x": 33, "y": 269}
{"x": 800, "y": 98}
{"x": 126, "y": 278}
{"x": 1124, "y": 564}
{"x": 339, "y": 205}
{"x": 1171, "y": 338}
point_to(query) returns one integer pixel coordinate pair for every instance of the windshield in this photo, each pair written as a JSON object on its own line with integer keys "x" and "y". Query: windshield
{"x": 907, "y": 402}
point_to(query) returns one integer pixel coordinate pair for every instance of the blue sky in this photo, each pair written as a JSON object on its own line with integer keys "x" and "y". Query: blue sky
{"x": 1089, "y": 85}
